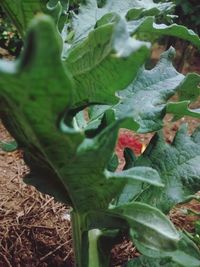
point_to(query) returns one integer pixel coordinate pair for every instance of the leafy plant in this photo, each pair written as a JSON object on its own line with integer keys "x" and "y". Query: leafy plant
{"x": 185, "y": 13}
{"x": 79, "y": 79}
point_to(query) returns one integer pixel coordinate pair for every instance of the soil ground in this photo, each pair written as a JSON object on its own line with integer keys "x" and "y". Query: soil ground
{"x": 35, "y": 230}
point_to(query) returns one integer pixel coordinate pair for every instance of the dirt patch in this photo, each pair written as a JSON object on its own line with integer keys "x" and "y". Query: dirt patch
{"x": 35, "y": 230}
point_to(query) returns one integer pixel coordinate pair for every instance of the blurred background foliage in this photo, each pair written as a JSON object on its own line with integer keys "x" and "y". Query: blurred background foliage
{"x": 9, "y": 37}
{"x": 186, "y": 13}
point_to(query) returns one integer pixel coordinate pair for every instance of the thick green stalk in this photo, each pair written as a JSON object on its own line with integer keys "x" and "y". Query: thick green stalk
{"x": 77, "y": 234}
{"x": 86, "y": 249}
{"x": 93, "y": 237}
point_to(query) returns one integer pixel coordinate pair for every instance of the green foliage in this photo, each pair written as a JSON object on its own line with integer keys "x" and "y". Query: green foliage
{"x": 8, "y": 146}
{"x": 94, "y": 58}
{"x": 196, "y": 236}
{"x": 186, "y": 254}
{"x": 179, "y": 172}
{"x": 94, "y": 10}
{"x": 151, "y": 262}
{"x": 187, "y": 13}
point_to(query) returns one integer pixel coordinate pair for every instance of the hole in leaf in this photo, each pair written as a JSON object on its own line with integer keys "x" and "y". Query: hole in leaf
{"x": 85, "y": 118}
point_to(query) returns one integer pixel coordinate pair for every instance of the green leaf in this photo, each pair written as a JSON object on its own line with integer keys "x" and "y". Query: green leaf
{"x": 135, "y": 176}
{"x": 107, "y": 61}
{"x": 31, "y": 102}
{"x": 147, "y": 25}
{"x": 148, "y": 226}
{"x": 189, "y": 91}
{"x": 180, "y": 109}
{"x": 179, "y": 170}
{"x": 154, "y": 94}
{"x": 186, "y": 254}
{"x": 129, "y": 157}
{"x": 192, "y": 82}
{"x": 41, "y": 106}
{"x": 62, "y": 153}
{"x": 90, "y": 13}
{"x": 145, "y": 100}
{"x": 130, "y": 190}
{"x": 141, "y": 174}
{"x": 144, "y": 261}
{"x": 113, "y": 163}
{"x": 8, "y": 146}
{"x": 32, "y": 107}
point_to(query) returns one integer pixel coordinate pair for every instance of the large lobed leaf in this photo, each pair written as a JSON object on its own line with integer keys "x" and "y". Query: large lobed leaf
{"x": 147, "y": 25}
{"x": 107, "y": 61}
{"x": 99, "y": 69}
{"x": 145, "y": 99}
{"x": 27, "y": 95}
{"x": 179, "y": 171}
{"x": 91, "y": 12}
{"x": 73, "y": 168}
{"x": 87, "y": 62}
{"x": 32, "y": 105}
{"x": 62, "y": 162}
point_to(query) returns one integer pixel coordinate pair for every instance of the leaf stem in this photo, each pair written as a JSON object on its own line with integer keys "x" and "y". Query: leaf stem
{"x": 77, "y": 238}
